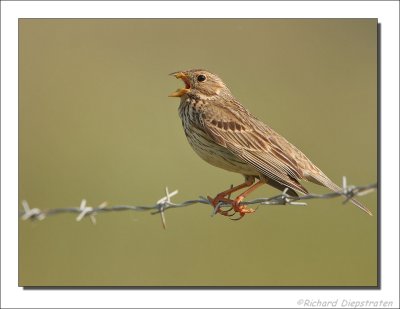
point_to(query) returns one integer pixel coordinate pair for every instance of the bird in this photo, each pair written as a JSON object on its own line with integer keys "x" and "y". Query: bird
{"x": 226, "y": 135}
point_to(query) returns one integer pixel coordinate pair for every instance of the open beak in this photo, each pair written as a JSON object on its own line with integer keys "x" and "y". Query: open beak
{"x": 180, "y": 92}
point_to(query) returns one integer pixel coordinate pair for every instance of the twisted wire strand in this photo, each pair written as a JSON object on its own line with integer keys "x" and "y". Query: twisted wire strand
{"x": 165, "y": 203}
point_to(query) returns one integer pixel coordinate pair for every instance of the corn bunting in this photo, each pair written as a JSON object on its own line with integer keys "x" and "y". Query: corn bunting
{"x": 225, "y": 134}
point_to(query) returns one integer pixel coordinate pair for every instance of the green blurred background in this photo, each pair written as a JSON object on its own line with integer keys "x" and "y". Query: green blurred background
{"x": 95, "y": 122}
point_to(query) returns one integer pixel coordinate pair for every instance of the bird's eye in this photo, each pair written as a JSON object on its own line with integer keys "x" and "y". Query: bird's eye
{"x": 201, "y": 78}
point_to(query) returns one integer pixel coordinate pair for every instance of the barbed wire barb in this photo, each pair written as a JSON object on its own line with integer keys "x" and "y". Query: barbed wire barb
{"x": 34, "y": 213}
{"x": 165, "y": 203}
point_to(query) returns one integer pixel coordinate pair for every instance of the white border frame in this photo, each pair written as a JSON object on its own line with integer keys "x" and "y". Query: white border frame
{"x": 12, "y": 296}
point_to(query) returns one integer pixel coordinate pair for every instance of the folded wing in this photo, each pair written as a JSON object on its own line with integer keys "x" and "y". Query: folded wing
{"x": 257, "y": 145}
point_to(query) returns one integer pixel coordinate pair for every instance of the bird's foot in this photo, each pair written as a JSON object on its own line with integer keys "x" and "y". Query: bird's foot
{"x": 237, "y": 208}
{"x": 221, "y": 199}
{"x": 241, "y": 209}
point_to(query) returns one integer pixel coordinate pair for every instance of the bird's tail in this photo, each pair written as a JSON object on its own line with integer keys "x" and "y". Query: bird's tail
{"x": 325, "y": 181}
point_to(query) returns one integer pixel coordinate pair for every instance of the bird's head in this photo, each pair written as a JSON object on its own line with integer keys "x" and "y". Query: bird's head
{"x": 200, "y": 83}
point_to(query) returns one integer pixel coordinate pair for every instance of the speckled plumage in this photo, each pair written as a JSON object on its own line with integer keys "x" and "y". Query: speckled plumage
{"x": 225, "y": 134}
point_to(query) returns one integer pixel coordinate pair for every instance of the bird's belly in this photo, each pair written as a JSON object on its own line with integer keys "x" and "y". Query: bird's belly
{"x": 215, "y": 154}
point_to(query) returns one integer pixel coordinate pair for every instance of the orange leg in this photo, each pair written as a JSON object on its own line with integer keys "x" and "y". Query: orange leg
{"x": 221, "y": 197}
{"x": 242, "y": 209}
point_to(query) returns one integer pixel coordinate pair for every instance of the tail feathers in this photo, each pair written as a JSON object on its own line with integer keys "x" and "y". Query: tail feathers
{"x": 325, "y": 181}
{"x": 361, "y": 206}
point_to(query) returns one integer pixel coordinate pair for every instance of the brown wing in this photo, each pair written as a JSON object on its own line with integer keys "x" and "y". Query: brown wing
{"x": 256, "y": 144}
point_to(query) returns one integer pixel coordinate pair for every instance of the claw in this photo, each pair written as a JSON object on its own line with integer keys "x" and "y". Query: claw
{"x": 228, "y": 214}
{"x": 241, "y": 209}
{"x": 236, "y": 207}
{"x": 238, "y": 218}
{"x": 216, "y": 204}
{"x": 225, "y": 197}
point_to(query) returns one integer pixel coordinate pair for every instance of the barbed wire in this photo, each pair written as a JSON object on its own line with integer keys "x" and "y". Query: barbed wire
{"x": 163, "y": 204}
